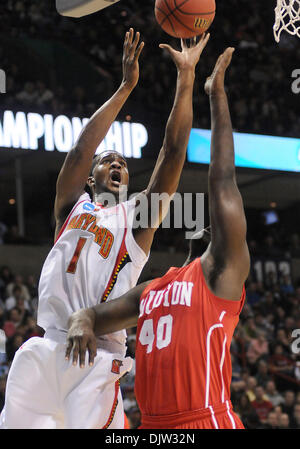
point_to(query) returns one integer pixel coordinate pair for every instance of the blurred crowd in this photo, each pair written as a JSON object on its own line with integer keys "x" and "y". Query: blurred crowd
{"x": 265, "y": 354}
{"x": 259, "y": 80}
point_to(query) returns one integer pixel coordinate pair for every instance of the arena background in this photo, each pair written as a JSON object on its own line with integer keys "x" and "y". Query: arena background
{"x": 60, "y": 66}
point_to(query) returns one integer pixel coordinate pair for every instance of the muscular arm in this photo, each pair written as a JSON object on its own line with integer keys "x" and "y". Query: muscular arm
{"x": 168, "y": 168}
{"x": 112, "y": 316}
{"x": 76, "y": 168}
{"x": 229, "y": 250}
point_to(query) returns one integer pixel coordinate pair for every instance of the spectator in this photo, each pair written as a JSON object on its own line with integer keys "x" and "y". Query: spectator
{"x": 246, "y": 412}
{"x": 258, "y": 347}
{"x": 273, "y": 396}
{"x": 44, "y": 95}
{"x": 250, "y": 388}
{"x": 28, "y": 95}
{"x": 32, "y": 286}
{"x": 284, "y": 421}
{"x": 272, "y": 421}
{"x": 261, "y": 405}
{"x": 289, "y": 403}
{"x": 281, "y": 338}
{"x": 24, "y": 313}
{"x": 282, "y": 367}
{"x": 11, "y": 324}
{"x": 286, "y": 286}
{"x": 253, "y": 297}
{"x": 19, "y": 282}
{"x": 262, "y": 375}
{"x": 17, "y": 294}
{"x": 6, "y": 277}
{"x": 13, "y": 344}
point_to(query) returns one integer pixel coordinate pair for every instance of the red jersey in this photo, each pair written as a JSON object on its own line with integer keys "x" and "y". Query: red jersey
{"x": 184, "y": 333}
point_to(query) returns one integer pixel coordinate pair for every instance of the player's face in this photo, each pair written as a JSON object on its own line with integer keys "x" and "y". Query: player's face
{"x": 111, "y": 173}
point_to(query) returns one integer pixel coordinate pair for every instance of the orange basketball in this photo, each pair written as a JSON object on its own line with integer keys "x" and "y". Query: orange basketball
{"x": 185, "y": 18}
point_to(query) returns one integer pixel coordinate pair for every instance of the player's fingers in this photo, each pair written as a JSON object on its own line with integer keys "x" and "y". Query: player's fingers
{"x": 134, "y": 44}
{"x": 125, "y": 46}
{"x": 75, "y": 351}
{"x": 69, "y": 348}
{"x": 139, "y": 50}
{"x": 82, "y": 351}
{"x": 183, "y": 44}
{"x": 92, "y": 348}
{"x": 167, "y": 47}
{"x": 203, "y": 41}
{"x": 130, "y": 36}
{"x": 227, "y": 56}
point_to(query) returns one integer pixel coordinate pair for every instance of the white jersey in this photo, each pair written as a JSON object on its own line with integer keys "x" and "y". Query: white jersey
{"x": 95, "y": 258}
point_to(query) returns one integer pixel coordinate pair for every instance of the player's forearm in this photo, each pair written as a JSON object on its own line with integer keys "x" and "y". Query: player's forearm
{"x": 114, "y": 316}
{"x": 166, "y": 173}
{"x": 100, "y": 122}
{"x": 181, "y": 118}
{"x": 222, "y": 164}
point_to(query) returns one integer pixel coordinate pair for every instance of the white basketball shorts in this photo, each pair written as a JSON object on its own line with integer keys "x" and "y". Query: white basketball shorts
{"x": 44, "y": 391}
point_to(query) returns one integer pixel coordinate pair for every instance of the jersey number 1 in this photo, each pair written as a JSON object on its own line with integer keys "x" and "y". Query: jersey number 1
{"x": 73, "y": 264}
{"x": 163, "y": 333}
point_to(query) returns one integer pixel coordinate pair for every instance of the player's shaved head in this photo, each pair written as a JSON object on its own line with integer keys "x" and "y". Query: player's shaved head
{"x": 97, "y": 159}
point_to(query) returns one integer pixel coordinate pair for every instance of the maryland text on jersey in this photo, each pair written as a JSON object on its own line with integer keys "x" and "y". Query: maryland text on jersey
{"x": 103, "y": 237}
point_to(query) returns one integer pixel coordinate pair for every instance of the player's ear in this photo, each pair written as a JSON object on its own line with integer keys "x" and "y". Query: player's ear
{"x": 91, "y": 181}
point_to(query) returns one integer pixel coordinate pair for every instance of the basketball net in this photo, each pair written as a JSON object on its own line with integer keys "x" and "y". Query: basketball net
{"x": 287, "y": 18}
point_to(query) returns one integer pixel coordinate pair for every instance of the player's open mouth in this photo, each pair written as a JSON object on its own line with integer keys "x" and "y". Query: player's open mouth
{"x": 115, "y": 176}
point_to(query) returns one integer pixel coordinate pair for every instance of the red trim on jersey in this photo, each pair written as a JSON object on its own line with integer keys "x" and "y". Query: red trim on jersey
{"x": 114, "y": 406}
{"x": 67, "y": 220}
{"x": 120, "y": 258}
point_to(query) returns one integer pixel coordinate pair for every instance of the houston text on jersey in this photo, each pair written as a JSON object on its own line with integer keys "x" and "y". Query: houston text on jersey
{"x": 175, "y": 293}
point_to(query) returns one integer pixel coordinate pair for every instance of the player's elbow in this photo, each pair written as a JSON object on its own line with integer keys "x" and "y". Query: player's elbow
{"x": 219, "y": 174}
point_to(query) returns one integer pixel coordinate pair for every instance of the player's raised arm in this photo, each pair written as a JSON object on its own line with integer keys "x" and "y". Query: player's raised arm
{"x": 76, "y": 168}
{"x": 229, "y": 250}
{"x": 105, "y": 318}
{"x": 168, "y": 168}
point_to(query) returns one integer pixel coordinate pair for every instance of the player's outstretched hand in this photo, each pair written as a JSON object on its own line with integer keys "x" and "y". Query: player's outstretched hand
{"x": 215, "y": 82}
{"x": 81, "y": 337}
{"x": 190, "y": 54}
{"x": 131, "y": 54}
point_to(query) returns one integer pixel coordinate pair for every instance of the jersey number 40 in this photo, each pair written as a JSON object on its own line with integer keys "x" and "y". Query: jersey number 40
{"x": 163, "y": 333}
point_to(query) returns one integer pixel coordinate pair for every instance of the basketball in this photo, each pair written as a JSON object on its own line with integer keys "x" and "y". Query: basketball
{"x": 185, "y": 18}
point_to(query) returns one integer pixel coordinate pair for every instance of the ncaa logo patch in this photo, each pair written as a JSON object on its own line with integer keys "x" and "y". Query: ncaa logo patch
{"x": 115, "y": 366}
{"x": 89, "y": 206}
